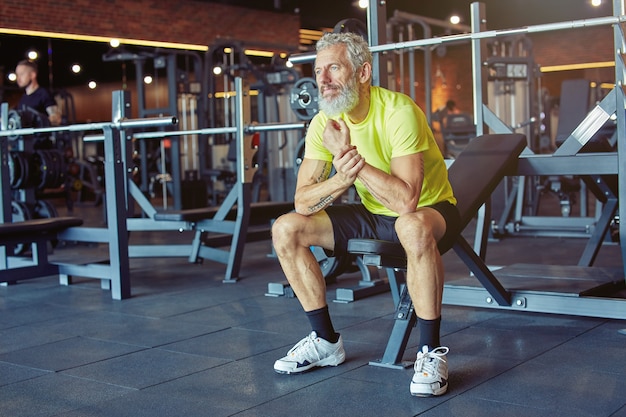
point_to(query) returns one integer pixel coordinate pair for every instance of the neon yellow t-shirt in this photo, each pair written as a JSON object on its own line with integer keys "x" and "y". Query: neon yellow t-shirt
{"x": 395, "y": 126}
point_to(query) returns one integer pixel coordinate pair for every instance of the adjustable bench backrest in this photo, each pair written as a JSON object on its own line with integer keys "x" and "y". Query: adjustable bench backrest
{"x": 480, "y": 167}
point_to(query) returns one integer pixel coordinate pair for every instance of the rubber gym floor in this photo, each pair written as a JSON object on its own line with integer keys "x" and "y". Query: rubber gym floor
{"x": 187, "y": 344}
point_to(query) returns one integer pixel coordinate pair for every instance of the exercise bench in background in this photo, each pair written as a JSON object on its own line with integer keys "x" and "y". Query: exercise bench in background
{"x": 36, "y": 233}
{"x": 474, "y": 175}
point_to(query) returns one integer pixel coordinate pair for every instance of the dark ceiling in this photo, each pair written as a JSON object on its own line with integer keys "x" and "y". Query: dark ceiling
{"x": 314, "y": 14}
{"x": 500, "y": 13}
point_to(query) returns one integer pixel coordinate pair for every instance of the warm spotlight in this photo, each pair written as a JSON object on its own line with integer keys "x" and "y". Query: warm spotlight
{"x": 32, "y": 55}
{"x": 455, "y": 19}
{"x": 147, "y": 79}
{"x": 114, "y": 43}
{"x": 92, "y": 85}
{"x": 76, "y": 68}
{"x": 596, "y": 3}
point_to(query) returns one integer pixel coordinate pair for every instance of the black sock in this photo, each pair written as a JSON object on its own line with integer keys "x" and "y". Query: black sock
{"x": 322, "y": 325}
{"x": 429, "y": 333}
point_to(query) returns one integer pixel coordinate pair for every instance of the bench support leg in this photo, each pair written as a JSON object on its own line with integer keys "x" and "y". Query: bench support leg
{"x": 405, "y": 320}
{"x": 482, "y": 272}
{"x": 371, "y": 284}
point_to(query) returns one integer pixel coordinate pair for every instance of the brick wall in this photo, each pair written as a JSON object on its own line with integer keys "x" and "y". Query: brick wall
{"x": 184, "y": 21}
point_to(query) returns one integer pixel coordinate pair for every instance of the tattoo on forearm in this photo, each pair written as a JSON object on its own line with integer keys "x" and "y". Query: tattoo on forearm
{"x": 325, "y": 172}
{"x": 323, "y": 203}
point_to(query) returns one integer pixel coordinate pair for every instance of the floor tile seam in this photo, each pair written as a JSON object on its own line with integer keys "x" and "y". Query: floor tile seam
{"x": 153, "y": 346}
{"x": 269, "y": 401}
{"x": 64, "y": 373}
{"x": 539, "y": 330}
{"x": 508, "y": 403}
{"x": 45, "y": 372}
{"x": 214, "y": 306}
{"x": 469, "y": 390}
{"x": 117, "y": 342}
{"x": 617, "y": 410}
{"x": 268, "y": 332}
{"x": 82, "y": 378}
{"x": 504, "y": 371}
{"x": 39, "y": 345}
{"x": 37, "y": 322}
{"x": 360, "y": 323}
{"x": 201, "y": 356}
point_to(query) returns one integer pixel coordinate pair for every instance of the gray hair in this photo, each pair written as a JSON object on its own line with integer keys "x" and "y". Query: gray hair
{"x": 358, "y": 49}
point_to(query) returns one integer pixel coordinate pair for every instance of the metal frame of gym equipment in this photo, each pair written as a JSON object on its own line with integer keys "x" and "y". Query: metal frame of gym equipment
{"x": 115, "y": 275}
{"x": 213, "y": 227}
{"x": 557, "y": 297}
{"x": 175, "y": 105}
{"x": 201, "y": 221}
{"x": 514, "y": 77}
{"x": 511, "y": 95}
{"x": 564, "y": 162}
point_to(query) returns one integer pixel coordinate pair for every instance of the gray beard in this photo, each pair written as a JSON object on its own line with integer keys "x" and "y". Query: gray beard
{"x": 347, "y": 100}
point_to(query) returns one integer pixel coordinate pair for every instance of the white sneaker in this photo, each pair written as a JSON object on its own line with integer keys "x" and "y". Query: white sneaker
{"x": 431, "y": 373}
{"x": 310, "y": 352}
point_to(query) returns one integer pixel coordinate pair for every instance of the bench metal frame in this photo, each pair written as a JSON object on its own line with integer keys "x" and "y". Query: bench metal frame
{"x": 115, "y": 275}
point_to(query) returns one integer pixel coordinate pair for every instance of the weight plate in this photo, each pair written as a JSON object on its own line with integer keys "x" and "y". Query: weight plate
{"x": 14, "y": 123}
{"x": 299, "y": 156}
{"x": 45, "y": 210}
{"x": 20, "y": 212}
{"x": 304, "y": 98}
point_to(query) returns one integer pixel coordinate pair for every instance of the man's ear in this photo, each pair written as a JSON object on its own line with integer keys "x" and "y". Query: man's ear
{"x": 365, "y": 73}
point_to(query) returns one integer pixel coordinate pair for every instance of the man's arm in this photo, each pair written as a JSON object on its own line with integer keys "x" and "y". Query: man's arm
{"x": 54, "y": 115}
{"x": 315, "y": 190}
{"x": 400, "y": 190}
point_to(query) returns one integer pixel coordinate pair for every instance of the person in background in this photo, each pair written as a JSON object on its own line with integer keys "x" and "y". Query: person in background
{"x": 380, "y": 142}
{"x": 35, "y": 96}
{"x": 442, "y": 113}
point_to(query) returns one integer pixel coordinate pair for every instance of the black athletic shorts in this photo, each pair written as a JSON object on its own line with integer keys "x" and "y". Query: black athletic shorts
{"x": 353, "y": 221}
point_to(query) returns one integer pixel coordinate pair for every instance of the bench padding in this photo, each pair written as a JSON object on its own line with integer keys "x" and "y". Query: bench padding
{"x": 37, "y": 227}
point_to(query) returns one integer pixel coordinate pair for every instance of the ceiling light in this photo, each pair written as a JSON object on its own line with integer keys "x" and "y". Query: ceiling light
{"x": 114, "y": 43}
{"x": 12, "y": 77}
{"x": 77, "y": 37}
{"x": 92, "y": 85}
{"x": 455, "y": 19}
{"x": 147, "y": 79}
{"x": 76, "y": 68}
{"x": 257, "y": 52}
{"x": 32, "y": 55}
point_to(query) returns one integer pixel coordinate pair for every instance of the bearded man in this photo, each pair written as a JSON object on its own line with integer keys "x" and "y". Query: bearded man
{"x": 379, "y": 142}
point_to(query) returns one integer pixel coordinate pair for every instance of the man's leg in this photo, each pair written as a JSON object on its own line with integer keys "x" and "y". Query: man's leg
{"x": 419, "y": 233}
{"x": 292, "y": 236}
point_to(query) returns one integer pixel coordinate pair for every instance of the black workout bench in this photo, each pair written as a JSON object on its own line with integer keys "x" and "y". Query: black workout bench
{"x": 37, "y": 233}
{"x": 474, "y": 175}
